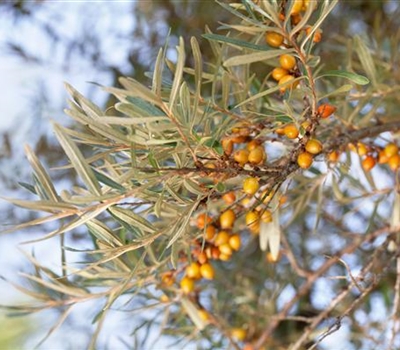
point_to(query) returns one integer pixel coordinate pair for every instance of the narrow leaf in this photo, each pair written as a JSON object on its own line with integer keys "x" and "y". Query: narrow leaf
{"x": 355, "y": 78}
{"x": 77, "y": 160}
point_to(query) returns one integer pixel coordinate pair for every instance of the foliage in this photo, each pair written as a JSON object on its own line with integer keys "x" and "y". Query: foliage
{"x": 155, "y": 168}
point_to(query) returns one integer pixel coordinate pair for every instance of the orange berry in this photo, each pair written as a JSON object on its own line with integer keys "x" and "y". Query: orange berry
{"x": 313, "y": 146}
{"x": 257, "y": 155}
{"x": 291, "y": 131}
{"x": 238, "y": 139}
{"x": 317, "y": 34}
{"x": 325, "y": 110}
{"x": 221, "y": 238}
{"x": 278, "y": 73}
{"x": 266, "y": 216}
{"x": 202, "y": 258}
{"x": 215, "y": 253}
{"x": 394, "y": 162}
{"x": 280, "y": 131}
{"x": 253, "y": 144}
{"x": 304, "y": 160}
{"x": 287, "y": 61}
{"x": 382, "y": 157}
{"x": 187, "y": 285}
{"x": 238, "y": 333}
{"x": 285, "y": 79}
{"x": 235, "y": 242}
{"x": 282, "y": 200}
{"x": 207, "y": 271}
{"x": 333, "y": 156}
{"x": 296, "y": 18}
{"x": 225, "y": 249}
{"x": 391, "y": 149}
{"x": 368, "y": 163}
{"x": 202, "y": 220}
{"x": 229, "y": 197}
{"x": 167, "y": 279}
{"x": 274, "y": 39}
{"x": 227, "y": 219}
{"x": 193, "y": 271}
{"x": 250, "y": 185}
{"x": 209, "y": 233}
{"x": 227, "y": 146}
{"x": 241, "y": 156}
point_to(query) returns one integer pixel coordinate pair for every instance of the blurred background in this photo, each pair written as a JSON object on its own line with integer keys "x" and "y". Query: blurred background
{"x": 46, "y": 43}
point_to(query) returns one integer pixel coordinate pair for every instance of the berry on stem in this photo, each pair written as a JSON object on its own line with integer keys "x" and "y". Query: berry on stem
{"x": 291, "y": 131}
{"x": 325, "y": 110}
{"x": 287, "y": 62}
{"x": 274, "y": 39}
{"x": 278, "y": 73}
{"x": 187, "y": 285}
{"x": 304, "y": 160}
{"x": 227, "y": 219}
{"x": 250, "y": 185}
{"x": 313, "y": 146}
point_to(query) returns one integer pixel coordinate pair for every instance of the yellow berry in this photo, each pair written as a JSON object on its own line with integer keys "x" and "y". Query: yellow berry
{"x": 304, "y": 160}
{"x": 287, "y": 61}
{"x": 187, "y": 285}
{"x": 235, "y": 242}
{"x": 227, "y": 219}
{"x": 221, "y": 238}
{"x": 291, "y": 131}
{"x": 266, "y": 216}
{"x": 391, "y": 149}
{"x": 394, "y": 162}
{"x": 225, "y": 249}
{"x": 224, "y": 257}
{"x": 250, "y": 185}
{"x": 193, "y": 271}
{"x": 257, "y": 155}
{"x": 203, "y": 314}
{"x": 241, "y": 156}
{"x": 238, "y": 333}
{"x": 362, "y": 149}
{"x": 252, "y": 221}
{"x": 285, "y": 79}
{"x": 207, "y": 271}
{"x": 278, "y": 73}
{"x": 313, "y": 146}
{"x": 274, "y": 39}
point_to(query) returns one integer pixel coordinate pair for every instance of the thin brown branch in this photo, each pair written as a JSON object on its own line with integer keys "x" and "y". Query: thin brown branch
{"x": 311, "y": 280}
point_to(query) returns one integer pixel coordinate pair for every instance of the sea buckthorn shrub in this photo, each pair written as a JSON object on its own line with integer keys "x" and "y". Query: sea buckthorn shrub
{"x": 228, "y": 197}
